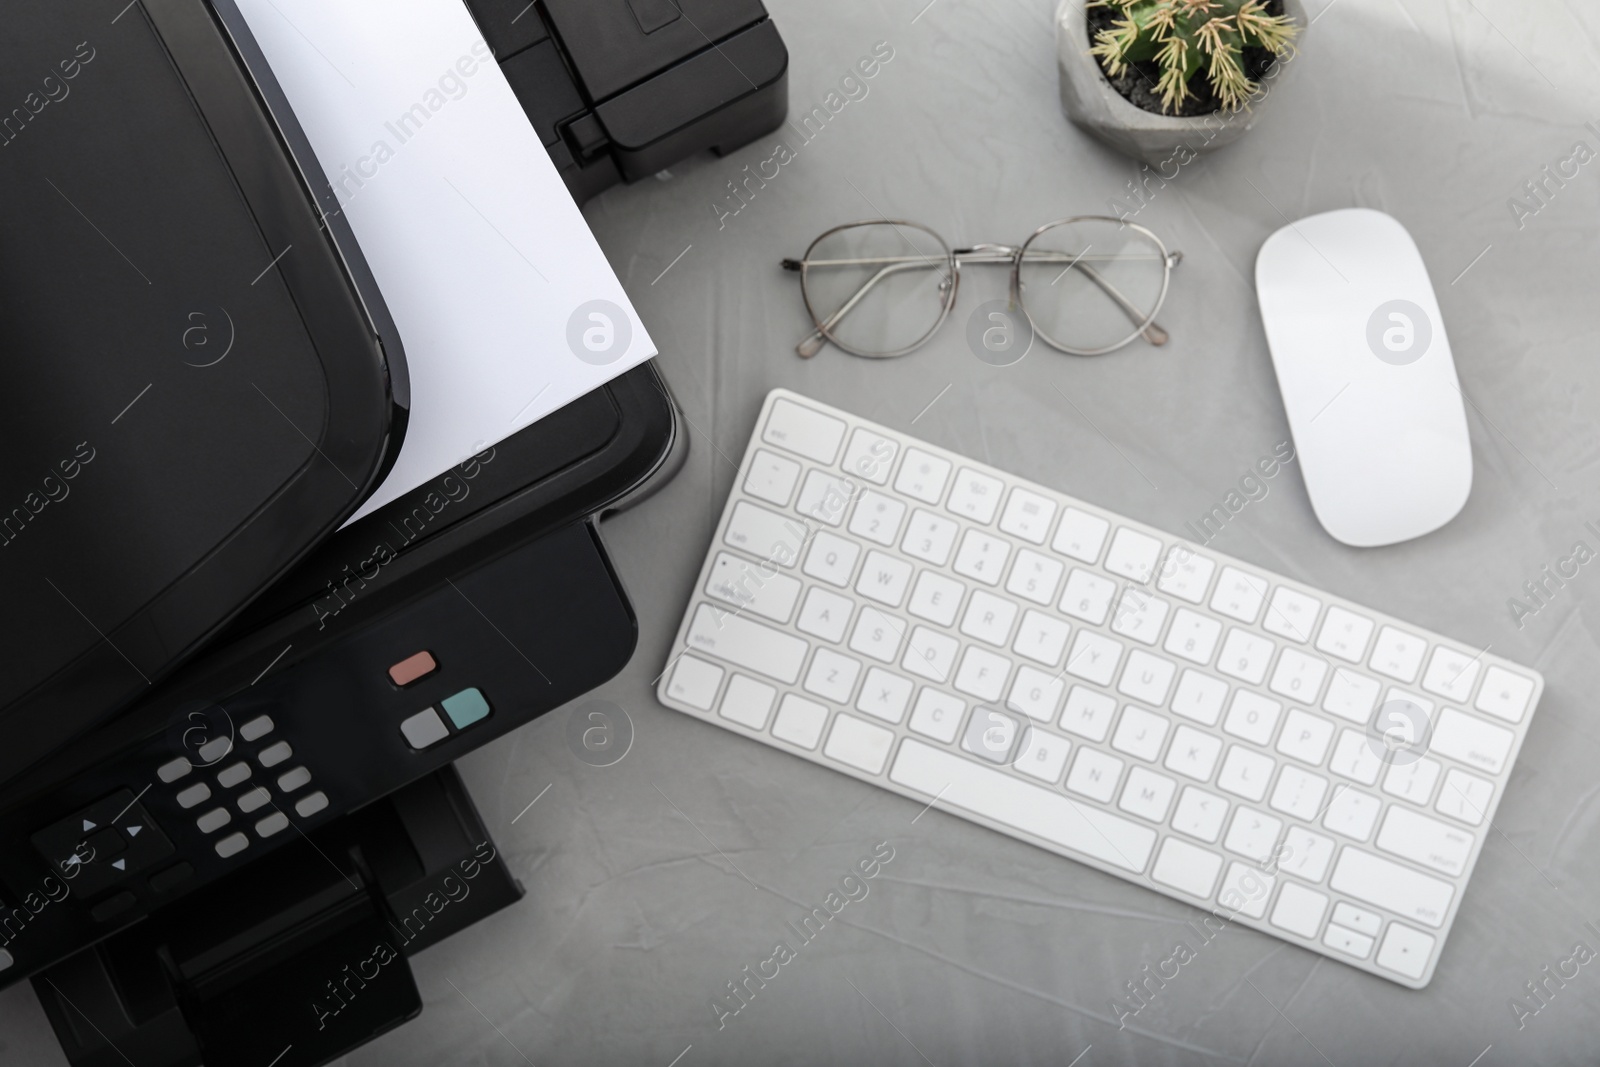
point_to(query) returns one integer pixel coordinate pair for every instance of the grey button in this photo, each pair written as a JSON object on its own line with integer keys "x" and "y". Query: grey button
{"x": 294, "y": 779}
{"x": 273, "y": 755}
{"x": 311, "y": 803}
{"x": 425, "y": 728}
{"x": 5, "y": 960}
{"x": 232, "y": 845}
{"x": 215, "y": 749}
{"x": 198, "y": 793}
{"x": 256, "y": 728}
{"x": 171, "y": 772}
{"x": 215, "y": 819}
{"x": 256, "y": 798}
{"x": 229, "y": 777}
{"x": 991, "y": 734}
{"x": 272, "y": 824}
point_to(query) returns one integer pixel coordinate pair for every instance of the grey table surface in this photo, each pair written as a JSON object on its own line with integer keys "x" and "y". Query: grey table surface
{"x": 652, "y": 882}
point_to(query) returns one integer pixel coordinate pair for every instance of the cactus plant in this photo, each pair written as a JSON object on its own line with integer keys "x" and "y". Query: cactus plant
{"x": 1182, "y": 36}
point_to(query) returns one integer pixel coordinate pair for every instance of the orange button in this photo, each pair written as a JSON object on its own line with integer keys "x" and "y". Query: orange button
{"x": 412, "y": 668}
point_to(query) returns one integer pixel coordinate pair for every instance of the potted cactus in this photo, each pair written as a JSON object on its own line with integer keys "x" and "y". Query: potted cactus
{"x": 1164, "y": 80}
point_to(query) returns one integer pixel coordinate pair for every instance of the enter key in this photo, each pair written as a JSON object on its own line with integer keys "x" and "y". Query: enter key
{"x": 1424, "y": 841}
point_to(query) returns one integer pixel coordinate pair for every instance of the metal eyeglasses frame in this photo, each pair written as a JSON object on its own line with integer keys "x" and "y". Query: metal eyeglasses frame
{"x": 1144, "y": 324}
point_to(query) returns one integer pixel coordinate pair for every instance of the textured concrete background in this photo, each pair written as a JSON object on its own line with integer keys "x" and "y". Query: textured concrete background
{"x": 971, "y": 948}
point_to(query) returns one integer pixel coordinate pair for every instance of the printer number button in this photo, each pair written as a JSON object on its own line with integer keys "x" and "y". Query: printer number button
{"x": 272, "y": 824}
{"x": 213, "y": 820}
{"x": 233, "y": 775}
{"x": 232, "y": 845}
{"x": 273, "y": 755}
{"x": 255, "y": 798}
{"x": 257, "y": 728}
{"x": 424, "y": 729}
{"x": 292, "y": 780}
{"x": 198, "y": 793}
{"x": 171, "y": 771}
{"x": 310, "y": 804}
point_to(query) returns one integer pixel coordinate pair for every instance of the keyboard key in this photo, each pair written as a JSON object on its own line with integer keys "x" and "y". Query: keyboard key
{"x": 743, "y": 643}
{"x": 1193, "y": 754}
{"x": 859, "y": 744}
{"x": 825, "y": 614}
{"x": 1088, "y": 713}
{"x": 1147, "y": 678}
{"x": 1360, "y": 920}
{"x": 1252, "y": 717}
{"x": 1199, "y": 697}
{"x": 937, "y": 715}
{"x": 936, "y": 598}
{"x": 1291, "y": 614}
{"x": 803, "y": 431}
{"x": 922, "y": 476}
{"x": 771, "y": 477}
{"x": 1239, "y": 595}
{"x": 1186, "y": 574}
{"x": 824, "y": 497}
{"x": 1388, "y": 885}
{"x": 1305, "y": 737}
{"x": 832, "y": 676}
{"x": 1352, "y": 814}
{"x": 877, "y": 518}
{"x": 1035, "y": 577}
{"x": 1080, "y": 535}
{"x": 1031, "y": 809}
{"x": 991, "y": 735}
{"x": 1133, "y": 555}
{"x": 870, "y": 456}
{"x": 884, "y": 578}
{"x": 930, "y": 654}
{"x": 1451, "y": 674}
{"x": 1299, "y": 910}
{"x": 1094, "y": 774}
{"x": 799, "y": 721}
{"x": 877, "y": 635}
{"x": 1042, "y": 755}
{"x": 975, "y": 496}
{"x": 1199, "y": 814}
{"x": 1027, "y": 515}
{"x": 764, "y": 534}
{"x": 1405, "y": 951}
{"x": 1463, "y": 796}
{"x": 1140, "y": 615}
{"x": 1305, "y": 854}
{"x": 1471, "y": 740}
{"x": 1344, "y": 634}
{"x": 1093, "y": 657}
{"x": 1041, "y": 638}
{"x": 747, "y": 702}
{"x": 1298, "y": 793}
{"x": 1347, "y": 941}
{"x": 1504, "y": 695}
{"x": 832, "y": 559}
{"x": 1351, "y": 696}
{"x": 1246, "y": 890}
{"x": 1193, "y": 636}
{"x": 1140, "y": 733}
{"x": 1253, "y": 834}
{"x": 981, "y": 557}
{"x": 1424, "y": 841}
{"x": 1398, "y": 654}
{"x": 1036, "y": 694}
{"x": 989, "y": 618}
{"x": 1245, "y": 656}
{"x": 929, "y": 537}
{"x": 884, "y": 695}
{"x": 1412, "y": 781}
{"x": 1298, "y": 676}
{"x": 741, "y": 585}
{"x": 1147, "y": 794}
{"x": 1087, "y": 596}
{"x": 1245, "y": 773}
{"x": 1187, "y": 868}
{"x": 1354, "y": 758}
{"x": 982, "y": 674}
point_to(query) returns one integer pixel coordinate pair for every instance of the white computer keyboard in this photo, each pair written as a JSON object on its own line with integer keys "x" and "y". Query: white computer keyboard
{"x": 1189, "y": 722}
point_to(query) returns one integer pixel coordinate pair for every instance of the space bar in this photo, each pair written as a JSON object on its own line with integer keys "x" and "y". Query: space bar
{"x": 1028, "y": 808}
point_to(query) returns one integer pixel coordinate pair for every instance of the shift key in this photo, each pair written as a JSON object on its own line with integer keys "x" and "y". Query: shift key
{"x": 747, "y": 644}
{"x": 1409, "y": 894}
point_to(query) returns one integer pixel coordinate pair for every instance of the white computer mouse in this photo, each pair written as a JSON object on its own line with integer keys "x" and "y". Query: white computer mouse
{"x": 1368, "y": 381}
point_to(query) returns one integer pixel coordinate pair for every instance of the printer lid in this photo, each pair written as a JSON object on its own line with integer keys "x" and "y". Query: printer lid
{"x": 199, "y": 380}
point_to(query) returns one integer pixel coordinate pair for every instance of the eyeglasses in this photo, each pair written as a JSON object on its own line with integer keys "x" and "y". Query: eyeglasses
{"x": 881, "y": 289}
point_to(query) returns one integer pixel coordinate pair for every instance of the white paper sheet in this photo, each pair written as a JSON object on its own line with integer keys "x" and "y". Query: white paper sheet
{"x": 506, "y": 306}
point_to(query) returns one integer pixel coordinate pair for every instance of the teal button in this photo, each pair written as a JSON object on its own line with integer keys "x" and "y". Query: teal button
{"x": 465, "y": 708}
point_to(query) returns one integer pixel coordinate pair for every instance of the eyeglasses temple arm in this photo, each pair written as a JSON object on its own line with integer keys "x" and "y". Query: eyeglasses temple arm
{"x": 813, "y": 343}
{"x": 1152, "y": 332}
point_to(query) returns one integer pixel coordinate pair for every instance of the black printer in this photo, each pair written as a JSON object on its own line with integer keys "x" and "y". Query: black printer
{"x": 228, "y": 810}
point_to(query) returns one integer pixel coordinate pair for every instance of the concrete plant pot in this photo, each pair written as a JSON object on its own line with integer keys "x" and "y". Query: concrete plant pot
{"x": 1095, "y": 106}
